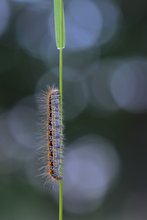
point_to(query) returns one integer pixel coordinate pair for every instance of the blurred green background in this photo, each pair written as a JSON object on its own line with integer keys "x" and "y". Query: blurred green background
{"x": 105, "y": 108}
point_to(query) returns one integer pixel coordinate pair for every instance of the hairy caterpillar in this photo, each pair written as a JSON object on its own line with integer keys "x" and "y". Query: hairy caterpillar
{"x": 52, "y": 145}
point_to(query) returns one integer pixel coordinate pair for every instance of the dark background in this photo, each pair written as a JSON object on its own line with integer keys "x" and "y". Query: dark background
{"x": 105, "y": 108}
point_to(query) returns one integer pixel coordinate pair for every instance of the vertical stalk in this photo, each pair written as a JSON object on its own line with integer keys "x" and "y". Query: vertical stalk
{"x": 61, "y": 104}
{"x": 61, "y": 83}
{"x": 61, "y": 111}
{"x": 60, "y": 43}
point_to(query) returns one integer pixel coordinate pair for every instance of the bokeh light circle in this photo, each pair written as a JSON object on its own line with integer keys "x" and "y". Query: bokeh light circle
{"x": 128, "y": 85}
{"x": 91, "y": 166}
{"x": 82, "y": 31}
{"x": 22, "y": 124}
{"x": 4, "y": 15}
{"x": 75, "y": 94}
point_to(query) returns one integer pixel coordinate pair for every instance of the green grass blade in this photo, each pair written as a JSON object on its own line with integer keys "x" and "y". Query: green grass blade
{"x": 59, "y": 21}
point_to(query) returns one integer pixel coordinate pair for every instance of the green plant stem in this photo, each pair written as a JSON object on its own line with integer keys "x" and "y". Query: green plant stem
{"x": 61, "y": 200}
{"x": 61, "y": 107}
{"x": 61, "y": 82}
{"x": 61, "y": 104}
{"x": 61, "y": 111}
